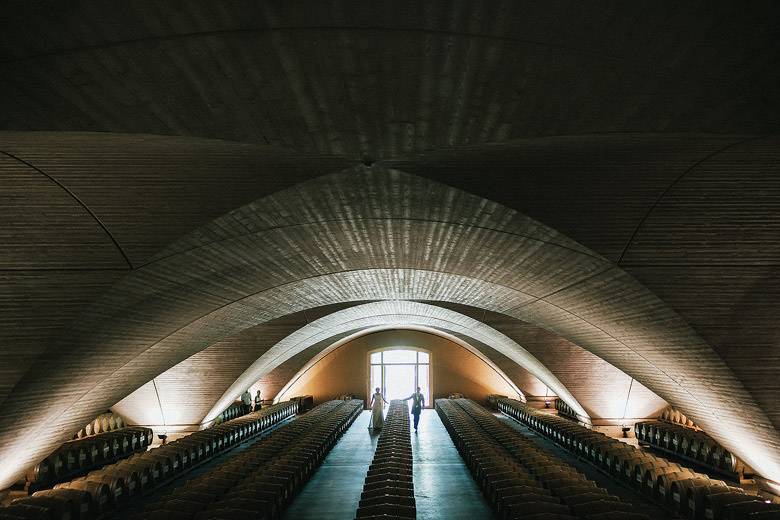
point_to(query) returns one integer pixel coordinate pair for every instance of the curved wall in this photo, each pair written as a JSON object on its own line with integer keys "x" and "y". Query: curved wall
{"x": 453, "y": 368}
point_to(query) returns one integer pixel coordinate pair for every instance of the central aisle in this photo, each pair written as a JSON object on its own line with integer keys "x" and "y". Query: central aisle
{"x": 443, "y": 486}
{"x": 334, "y": 490}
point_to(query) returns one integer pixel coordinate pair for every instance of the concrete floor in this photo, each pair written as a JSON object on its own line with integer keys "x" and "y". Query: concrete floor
{"x": 334, "y": 490}
{"x": 443, "y": 485}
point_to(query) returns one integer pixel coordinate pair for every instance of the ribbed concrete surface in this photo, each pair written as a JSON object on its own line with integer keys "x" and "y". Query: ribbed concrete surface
{"x": 353, "y": 78}
{"x": 389, "y": 315}
{"x": 309, "y": 246}
{"x": 426, "y": 85}
{"x": 601, "y": 388}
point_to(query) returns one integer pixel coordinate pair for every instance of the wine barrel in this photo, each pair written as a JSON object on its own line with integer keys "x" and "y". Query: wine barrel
{"x": 175, "y": 504}
{"x": 100, "y": 493}
{"x": 629, "y": 466}
{"x": 696, "y": 497}
{"x": 621, "y": 515}
{"x": 114, "y": 447}
{"x": 650, "y": 481}
{"x": 27, "y": 512}
{"x": 130, "y": 475}
{"x": 741, "y": 510}
{"x": 165, "y": 465}
{"x": 704, "y": 454}
{"x": 103, "y": 447}
{"x": 41, "y": 474}
{"x": 166, "y": 515}
{"x": 139, "y": 459}
{"x": 611, "y": 459}
{"x": 663, "y": 486}
{"x": 145, "y": 478}
{"x": 714, "y": 504}
{"x": 123, "y": 439}
{"x": 116, "y": 484}
{"x": 180, "y": 456}
{"x": 81, "y": 502}
{"x": 51, "y": 507}
{"x": 105, "y": 423}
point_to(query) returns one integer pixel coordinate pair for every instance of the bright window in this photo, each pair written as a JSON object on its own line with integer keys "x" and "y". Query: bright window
{"x": 398, "y": 372}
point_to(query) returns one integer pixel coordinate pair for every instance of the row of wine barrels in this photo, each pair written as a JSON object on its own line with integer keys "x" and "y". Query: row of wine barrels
{"x": 675, "y": 416}
{"x": 688, "y": 493}
{"x": 77, "y": 457}
{"x": 492, "y": 400}
{"x": 565, "y": 409}
{"x": 690, "y": 444}
{"x": 388, "y": 489}
{"x": 51, "y": 504}
{"x": 114, "y": 485}
{"x": 263, "y": 478}
{"x": 306, "y": 402}
{"x": 236, "y": 409}
{"x": 519, "y": 479}
{"x": 103, "y": 423}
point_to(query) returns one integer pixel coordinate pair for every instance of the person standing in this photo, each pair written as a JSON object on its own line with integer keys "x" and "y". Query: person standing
{"x": 246, "y": 400}
{"x": 258, "y": 401}
{"x": 377, "y": 404}
{"x": 418, "y": 402}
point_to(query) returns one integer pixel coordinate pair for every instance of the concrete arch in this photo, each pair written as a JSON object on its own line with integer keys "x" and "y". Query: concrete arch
{"x": 365, "y": 332}
{"x": 373, "y": 234}
{"x": 359, "y": 320}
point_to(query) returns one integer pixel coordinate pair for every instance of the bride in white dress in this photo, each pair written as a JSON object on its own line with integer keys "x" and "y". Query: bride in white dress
{"x": 377, "y": 404}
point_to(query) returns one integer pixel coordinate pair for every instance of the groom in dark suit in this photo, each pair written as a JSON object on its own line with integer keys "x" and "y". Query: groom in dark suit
{"x": 418, "y": 402}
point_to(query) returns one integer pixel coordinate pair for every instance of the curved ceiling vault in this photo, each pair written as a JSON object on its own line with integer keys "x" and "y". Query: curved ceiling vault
{"x": 322, "y": 354}
{"x": 391, "y": 314}
{"x": 373, "y": 234}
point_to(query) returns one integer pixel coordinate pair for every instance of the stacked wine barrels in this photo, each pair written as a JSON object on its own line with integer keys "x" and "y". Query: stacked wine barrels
{"x": 261, "y": 480}
{"x": 80, "y": 456}
{"x": 675, "y": 416}
{"x": 236, "y": 409}
{"x": 493, "y": 400}
{"x": 388, "y": 491}
{"x": 690, "y": 444}
{"x": 680, "y": 489}
{"x": 306, "y": 402}
{"x": 519, "y": 479}
{"x": 52, "y": 504}
{"x": 114, "y": 485}
{"x": 565, "y": 409}
{"x": 106, "y": 422}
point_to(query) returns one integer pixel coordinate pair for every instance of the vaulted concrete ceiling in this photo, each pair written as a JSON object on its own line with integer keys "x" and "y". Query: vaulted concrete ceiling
{"x": 426, "y": 88}
{"x": 385, "y": 79}
{"x": 387, "y": 315}
{"x": 181, "y": 397}
{"x": 377, "y": 234}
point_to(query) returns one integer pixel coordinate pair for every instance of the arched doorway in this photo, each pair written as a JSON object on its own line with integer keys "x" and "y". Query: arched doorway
{"x": 398, "y": 371}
